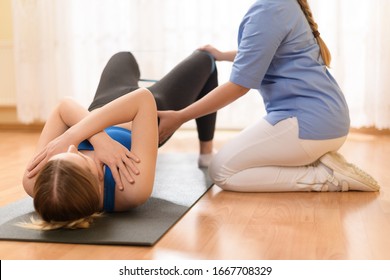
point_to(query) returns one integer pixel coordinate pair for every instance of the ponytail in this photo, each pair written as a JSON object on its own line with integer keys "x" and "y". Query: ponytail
{"x": 325, "y": 53}
{"x": 39, "y": 224}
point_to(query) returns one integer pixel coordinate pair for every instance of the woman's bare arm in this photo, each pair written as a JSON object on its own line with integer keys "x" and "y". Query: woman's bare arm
{"x": 140, "y": 108}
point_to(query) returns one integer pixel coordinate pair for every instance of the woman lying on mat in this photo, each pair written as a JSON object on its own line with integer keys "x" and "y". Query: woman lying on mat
{"x": 70, "y": 185}
{"x": 294, "y": 147}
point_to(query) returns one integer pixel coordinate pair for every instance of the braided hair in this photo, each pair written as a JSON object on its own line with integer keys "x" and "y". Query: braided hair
{"x": 325, "y": 53}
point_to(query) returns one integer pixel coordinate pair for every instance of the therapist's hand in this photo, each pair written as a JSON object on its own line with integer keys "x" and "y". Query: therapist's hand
{"x": 217, "y": 54}
{"x": 169, "y": 122}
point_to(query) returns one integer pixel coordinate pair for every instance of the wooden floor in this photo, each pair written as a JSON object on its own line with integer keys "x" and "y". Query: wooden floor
{"x": 226, "y": 225}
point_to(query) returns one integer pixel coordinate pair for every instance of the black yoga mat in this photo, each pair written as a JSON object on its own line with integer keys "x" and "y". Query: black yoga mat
{"x": 178, "y": 186}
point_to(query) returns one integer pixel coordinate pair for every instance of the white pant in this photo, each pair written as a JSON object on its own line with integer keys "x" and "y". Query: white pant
{"x": 266, "y": 158}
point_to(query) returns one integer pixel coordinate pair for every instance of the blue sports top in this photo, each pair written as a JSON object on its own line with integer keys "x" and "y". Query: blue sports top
{"x": 278, "y": 55}
{"x": 122, "y": 136}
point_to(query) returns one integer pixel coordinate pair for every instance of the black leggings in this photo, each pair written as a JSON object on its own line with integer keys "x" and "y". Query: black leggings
{"x": 187, "y": 82}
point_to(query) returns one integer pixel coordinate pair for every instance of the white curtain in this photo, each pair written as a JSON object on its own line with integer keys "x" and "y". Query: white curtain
{"x": 61, "y": 47}
{"x": 358, "y": 35}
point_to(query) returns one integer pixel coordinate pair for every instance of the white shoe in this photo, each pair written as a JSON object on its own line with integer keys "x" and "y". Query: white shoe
{"x": 347, "y": 176}
{"x": 205, "y": 159}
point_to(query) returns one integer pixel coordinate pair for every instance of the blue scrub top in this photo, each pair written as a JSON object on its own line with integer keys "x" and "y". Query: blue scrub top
{"x": 278, "y": 55}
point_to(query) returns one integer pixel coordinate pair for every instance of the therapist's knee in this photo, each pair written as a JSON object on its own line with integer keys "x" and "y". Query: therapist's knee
{"x": 218, "y": 173}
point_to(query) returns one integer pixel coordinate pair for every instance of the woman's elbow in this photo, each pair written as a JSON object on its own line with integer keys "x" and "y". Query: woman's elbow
{"x": 139, "y": 195}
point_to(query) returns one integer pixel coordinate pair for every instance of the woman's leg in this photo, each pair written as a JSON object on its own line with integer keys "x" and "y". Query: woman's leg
{"x": 119, "y": 77}
{"x": 189, "y": 81}
{"x": 266, "y": 158}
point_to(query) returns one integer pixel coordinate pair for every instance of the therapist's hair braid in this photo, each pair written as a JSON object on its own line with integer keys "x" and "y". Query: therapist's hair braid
{"x": 325, "y": 53}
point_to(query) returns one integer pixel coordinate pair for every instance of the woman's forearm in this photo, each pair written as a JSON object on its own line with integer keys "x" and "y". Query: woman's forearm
{"x": 61, "y": 118}
{"x": 72, "y": 113}
{"x": 121, "y": 110}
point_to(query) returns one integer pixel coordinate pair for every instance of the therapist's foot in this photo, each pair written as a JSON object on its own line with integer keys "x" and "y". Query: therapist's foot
{"x": 344, "y": 176}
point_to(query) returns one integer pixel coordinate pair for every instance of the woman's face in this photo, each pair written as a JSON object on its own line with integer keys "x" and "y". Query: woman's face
{"x": 78, "y": 158}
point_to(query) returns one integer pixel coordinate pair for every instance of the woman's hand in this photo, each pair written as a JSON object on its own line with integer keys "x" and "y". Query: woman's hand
{"x": 169, "y": 123}
{"x": 54, "y": 147}
{"x": 118, "y": 158}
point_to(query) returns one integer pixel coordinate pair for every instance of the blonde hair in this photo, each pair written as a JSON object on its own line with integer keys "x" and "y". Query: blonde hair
{"x": 325, "y": 53}
{"x": 65, "y": 196}
{"x": 39, "y": 224}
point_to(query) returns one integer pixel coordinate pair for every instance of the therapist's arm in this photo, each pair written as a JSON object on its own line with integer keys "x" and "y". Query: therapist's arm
{"x": 218, "y": 98}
